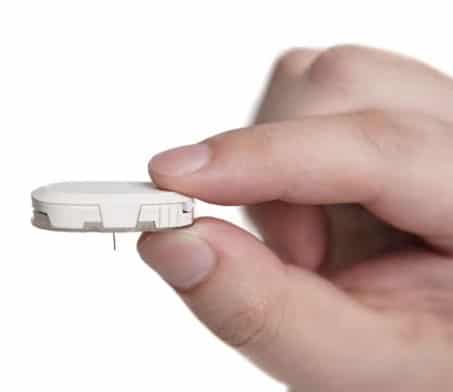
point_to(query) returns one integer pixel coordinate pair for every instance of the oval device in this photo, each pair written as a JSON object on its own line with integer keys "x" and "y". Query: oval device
{"x": 109, "y": 207}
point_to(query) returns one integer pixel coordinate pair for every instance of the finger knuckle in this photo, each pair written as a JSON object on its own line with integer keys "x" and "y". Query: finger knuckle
{"x": 381, "y": 132}
{"x": 415, "y": 329}
{"x": 369, "y": 133}
{"x": 336, "y": 65}
{"x": 248, "y": 326}
{"x": 292, "y": 63}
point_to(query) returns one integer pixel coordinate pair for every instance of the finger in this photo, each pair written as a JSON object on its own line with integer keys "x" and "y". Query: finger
{"x": 279, "y": 316}
{"x": 312, "y": 238}
{"x": 283, "y": 95}
{"x": 353, "y": 78}
{"x": 414, "y": 272}
{"x": 363, "y": 158}
{"x": 296, "y": 233}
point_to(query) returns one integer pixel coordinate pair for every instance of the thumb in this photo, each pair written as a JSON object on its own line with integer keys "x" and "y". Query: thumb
{"x": 288, "y": 320}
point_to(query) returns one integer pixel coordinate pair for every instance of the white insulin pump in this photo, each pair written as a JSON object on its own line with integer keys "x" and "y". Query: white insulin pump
{"x": 109, "y": 207}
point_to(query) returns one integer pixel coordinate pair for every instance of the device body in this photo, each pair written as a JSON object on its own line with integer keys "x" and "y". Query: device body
{"x": 109, "y": 207}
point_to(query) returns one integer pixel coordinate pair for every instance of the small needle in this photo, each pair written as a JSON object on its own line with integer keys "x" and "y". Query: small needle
{"x": 114, "y": 241}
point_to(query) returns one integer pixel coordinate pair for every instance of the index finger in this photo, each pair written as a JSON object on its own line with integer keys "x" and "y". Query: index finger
{"x": 392, "y": 164}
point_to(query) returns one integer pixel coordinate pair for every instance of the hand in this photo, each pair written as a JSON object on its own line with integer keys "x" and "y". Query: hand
{"x": 349, "y": 178}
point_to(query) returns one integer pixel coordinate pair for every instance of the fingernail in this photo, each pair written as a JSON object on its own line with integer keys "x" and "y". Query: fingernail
{"x": 181, "y": 160}
{"x": 183, "y": 260}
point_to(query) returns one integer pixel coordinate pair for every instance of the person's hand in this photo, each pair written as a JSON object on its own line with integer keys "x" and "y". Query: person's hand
{"x": 349, "y": 178}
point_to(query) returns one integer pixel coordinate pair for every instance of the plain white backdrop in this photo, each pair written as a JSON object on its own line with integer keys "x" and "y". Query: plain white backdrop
{"x": 90, "y": 90}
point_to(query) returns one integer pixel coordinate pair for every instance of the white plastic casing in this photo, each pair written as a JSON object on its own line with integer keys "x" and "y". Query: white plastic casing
{"x": 110, "y": 207}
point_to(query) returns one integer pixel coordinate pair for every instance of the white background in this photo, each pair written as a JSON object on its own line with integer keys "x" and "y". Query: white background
{"x": 90, "y": 90}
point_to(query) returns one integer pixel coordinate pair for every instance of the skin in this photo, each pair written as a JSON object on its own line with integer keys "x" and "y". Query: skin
{"x": 347, "y": 174}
